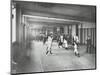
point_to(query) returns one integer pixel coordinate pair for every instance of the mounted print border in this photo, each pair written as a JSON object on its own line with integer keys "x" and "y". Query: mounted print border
{"x": 52, "y": 37}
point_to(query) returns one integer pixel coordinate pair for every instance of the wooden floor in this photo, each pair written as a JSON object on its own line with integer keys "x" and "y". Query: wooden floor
{"x": 60, "y": 60}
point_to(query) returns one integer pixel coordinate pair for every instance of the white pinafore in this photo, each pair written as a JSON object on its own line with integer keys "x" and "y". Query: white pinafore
{"x": 49, "y": 43}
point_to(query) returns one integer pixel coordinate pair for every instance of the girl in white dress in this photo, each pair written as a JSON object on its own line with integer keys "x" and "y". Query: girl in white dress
{"x": 76, "y": 41}
{"x": 49, "y": 44}
{"x": 65, "y": 44}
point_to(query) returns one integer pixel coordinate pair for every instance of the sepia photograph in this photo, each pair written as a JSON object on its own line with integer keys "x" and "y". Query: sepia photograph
{"x": 52, "y": 37}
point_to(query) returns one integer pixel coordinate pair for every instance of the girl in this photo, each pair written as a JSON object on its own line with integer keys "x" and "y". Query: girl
{"x": 60, "y": 41}
{"x": 75, "y": 50}
{"x": 65, "y": 44}
{"x": 49, "y": 44}
{"x": 75, "y": 43}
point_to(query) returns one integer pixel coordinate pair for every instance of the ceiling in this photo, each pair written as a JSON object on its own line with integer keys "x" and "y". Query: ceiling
{"x": 34, "y": 19}
{"x": 64, "y": 11}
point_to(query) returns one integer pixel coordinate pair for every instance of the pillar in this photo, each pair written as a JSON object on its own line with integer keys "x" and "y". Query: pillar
{"x": 73, "y": 30}
{"x": 19, "y": 27}
{"x": 81, "y": 34}
{"x": 76, "y": 29}
{"x": 66, "y": 29}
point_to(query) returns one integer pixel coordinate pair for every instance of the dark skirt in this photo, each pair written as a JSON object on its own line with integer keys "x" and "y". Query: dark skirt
{"x": 60, "y": 43}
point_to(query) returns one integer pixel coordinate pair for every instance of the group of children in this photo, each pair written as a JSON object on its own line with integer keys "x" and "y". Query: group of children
{"x": 62, "y": 43}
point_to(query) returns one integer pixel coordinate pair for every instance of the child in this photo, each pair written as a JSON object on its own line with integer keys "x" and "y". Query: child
{"x": 60, "y": 41}
{"x": 75, "y": 50}
{"x": 49, "y": 44}
{"x": 65, "y": 44}
{"x": 75, "y": 43}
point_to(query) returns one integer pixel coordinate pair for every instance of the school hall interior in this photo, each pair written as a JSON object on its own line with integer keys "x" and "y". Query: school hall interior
{"x": 31, "y": 20}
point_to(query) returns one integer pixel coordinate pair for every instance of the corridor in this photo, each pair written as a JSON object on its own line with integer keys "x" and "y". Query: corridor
{"x": 60, "y": 60}
{"x": 70, "y": 25}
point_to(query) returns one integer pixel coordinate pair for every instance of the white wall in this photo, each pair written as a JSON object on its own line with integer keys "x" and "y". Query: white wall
{"x": 14, "y": 25}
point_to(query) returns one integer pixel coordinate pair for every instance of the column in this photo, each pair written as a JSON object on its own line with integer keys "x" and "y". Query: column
{"x": 66, "y": 29}
{"x": 18, "y": 25}
{"x": 81, "y": 35}
{"x": 77, "y": 29}
{"x": 73, "y": 30}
